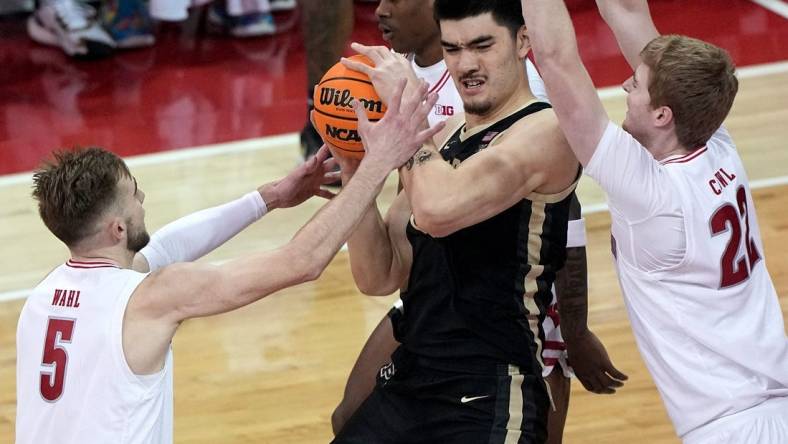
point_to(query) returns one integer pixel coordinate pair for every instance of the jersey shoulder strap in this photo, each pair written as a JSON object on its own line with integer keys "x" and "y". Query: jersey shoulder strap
{"x": 454, "y": 146}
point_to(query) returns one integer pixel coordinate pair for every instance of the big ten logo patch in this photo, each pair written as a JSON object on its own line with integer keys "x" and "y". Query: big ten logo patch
{"x": 444, "y": 110}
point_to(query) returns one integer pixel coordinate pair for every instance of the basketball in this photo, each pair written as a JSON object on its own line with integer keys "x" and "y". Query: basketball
{"x": 334, "y": 118}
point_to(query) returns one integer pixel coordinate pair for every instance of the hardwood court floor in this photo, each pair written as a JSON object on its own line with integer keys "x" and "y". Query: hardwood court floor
{"x": 272, "y": 372}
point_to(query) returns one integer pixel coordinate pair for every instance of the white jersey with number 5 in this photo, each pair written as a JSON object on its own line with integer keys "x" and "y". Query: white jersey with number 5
{"x": 690, "y": 261}
{"x": 73, "y": 382}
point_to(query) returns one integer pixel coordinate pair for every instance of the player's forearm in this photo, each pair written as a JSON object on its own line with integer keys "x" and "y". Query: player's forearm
{"x": 550, "y": 33}
{"x": 245, "y": 280}
{"x": 199, "y": 233}
{"x": 429, "y": 183}
{"x": 571, "y": 286}
{"x": 320, "y": 239}
{"x": 445, "y": 199}
{"x": 372, "y": 255}
{"x": 575, "y": 101}
{"x": 630, "y": 21}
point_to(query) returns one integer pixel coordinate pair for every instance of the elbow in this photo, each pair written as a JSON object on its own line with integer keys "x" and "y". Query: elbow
{"x": 370, "y": 285}
{"x": 313, "y": 268}
{"x": 312, "y": 272}
{"x": 366, "y": 286}
{"x": 551, "y": 56}
{"x": 370, "y": 289}
{"x": 434, "y": 220}
{"x": 306, "y": 267}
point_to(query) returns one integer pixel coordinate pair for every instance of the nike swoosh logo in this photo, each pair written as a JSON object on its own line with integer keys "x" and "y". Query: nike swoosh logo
{"x": 465, "y": 399}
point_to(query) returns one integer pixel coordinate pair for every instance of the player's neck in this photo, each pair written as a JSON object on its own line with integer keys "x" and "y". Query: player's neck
{"x": 664, "y": 145}
{"x": 512, "y": 103}
{"x": 121, "y": 257}
{"x": 429, "y": 55}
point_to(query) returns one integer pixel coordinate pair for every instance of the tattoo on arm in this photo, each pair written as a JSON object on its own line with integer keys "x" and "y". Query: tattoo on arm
{"x": 571, "y": 287}
{"x": 421, "y": 156}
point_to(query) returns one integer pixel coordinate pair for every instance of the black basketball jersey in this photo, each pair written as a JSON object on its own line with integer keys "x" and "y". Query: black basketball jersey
{"x": 476, "y": 298}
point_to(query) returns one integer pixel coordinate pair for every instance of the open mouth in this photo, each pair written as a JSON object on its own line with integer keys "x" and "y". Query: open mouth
{"x": 472, "y": 84}
{"x": 385, "y": 31}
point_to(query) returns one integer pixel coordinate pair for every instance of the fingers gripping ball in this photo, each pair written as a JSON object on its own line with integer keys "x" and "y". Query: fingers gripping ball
{"x": 334, "y": 118}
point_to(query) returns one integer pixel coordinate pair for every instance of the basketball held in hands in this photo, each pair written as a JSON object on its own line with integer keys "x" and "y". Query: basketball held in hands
{"x": 334, "y": 117}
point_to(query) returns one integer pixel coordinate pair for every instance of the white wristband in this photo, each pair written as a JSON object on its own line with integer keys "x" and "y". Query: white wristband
{"x": 576, "y": 233}
{"x": 258, "y": 201}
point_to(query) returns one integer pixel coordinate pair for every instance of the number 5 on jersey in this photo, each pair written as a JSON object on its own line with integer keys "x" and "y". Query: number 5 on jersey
{"x": 59, "y": 331}
{"x": 735, "y": 269}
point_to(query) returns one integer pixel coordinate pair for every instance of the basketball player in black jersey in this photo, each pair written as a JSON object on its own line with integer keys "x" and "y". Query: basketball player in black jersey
{"x": 477, "y": 236}
{"x": 409, "y": 28}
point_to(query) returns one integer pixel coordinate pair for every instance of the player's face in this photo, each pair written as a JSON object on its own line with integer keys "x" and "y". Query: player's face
{"x": 133, "y": 197}
{"x": 407, "y": 25}
{"x": 639, "y": 111}
{"x": 485, "y": 61}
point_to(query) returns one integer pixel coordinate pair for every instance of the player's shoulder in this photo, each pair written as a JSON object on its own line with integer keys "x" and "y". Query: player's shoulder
{"x": 540, "y": 126}
{"x": 453, "y": 124}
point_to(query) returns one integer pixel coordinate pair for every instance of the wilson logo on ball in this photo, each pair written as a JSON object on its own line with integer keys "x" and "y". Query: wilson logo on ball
{"x": 336, "y": 97}
{"x": 333, "y": 116}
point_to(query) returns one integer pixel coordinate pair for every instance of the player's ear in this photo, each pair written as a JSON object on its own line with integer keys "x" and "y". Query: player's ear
{"x": 116, "y": 226}
{"x": 663, "y": 116}
{"x": 523, "y": 42}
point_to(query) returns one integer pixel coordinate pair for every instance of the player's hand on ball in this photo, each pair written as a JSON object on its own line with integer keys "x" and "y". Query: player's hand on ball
{"x": 403, "y": 129}
{"x": 305, "y": 181}
{"x": 389, "y": 69}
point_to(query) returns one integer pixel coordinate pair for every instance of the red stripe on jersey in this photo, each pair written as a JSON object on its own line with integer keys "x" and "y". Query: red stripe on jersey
{"x": 550, "y": 361}
{"x": 82, "y": 264}
{"x": 554, "y": 345}
{"x": 686, "y": 158}
{"x": 442, "y": 81}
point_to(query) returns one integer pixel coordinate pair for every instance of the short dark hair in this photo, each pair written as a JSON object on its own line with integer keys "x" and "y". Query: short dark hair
{"x": 508, "y": 13}
{"x": 75, "y": 188}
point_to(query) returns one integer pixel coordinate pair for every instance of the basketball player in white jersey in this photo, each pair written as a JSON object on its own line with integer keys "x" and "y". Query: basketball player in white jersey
{"x": 409, "y": 27}
{"x": 685, "y": 236}
{"x": 94, "y": 363}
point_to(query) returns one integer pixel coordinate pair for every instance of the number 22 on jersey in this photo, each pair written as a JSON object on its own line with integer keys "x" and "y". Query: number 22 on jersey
{"x": 735, "y": 268}
{"x": 53, "y": 375}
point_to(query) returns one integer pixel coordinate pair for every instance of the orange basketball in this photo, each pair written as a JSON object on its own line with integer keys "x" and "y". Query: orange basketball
{"x": 334, "y": 118}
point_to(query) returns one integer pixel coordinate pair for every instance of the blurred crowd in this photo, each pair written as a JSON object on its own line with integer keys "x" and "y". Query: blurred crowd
{"x": 96, "y": 29}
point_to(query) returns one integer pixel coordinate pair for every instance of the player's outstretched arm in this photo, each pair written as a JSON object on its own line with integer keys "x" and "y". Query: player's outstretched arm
{"x": 630, "y": 21}
{"x": 380, "y": 254}
{"x": 571, "y": 91}
{"x": 587, "y": 355}
{"x": 188, "y": 290}
{"x": 195, "y": 235}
